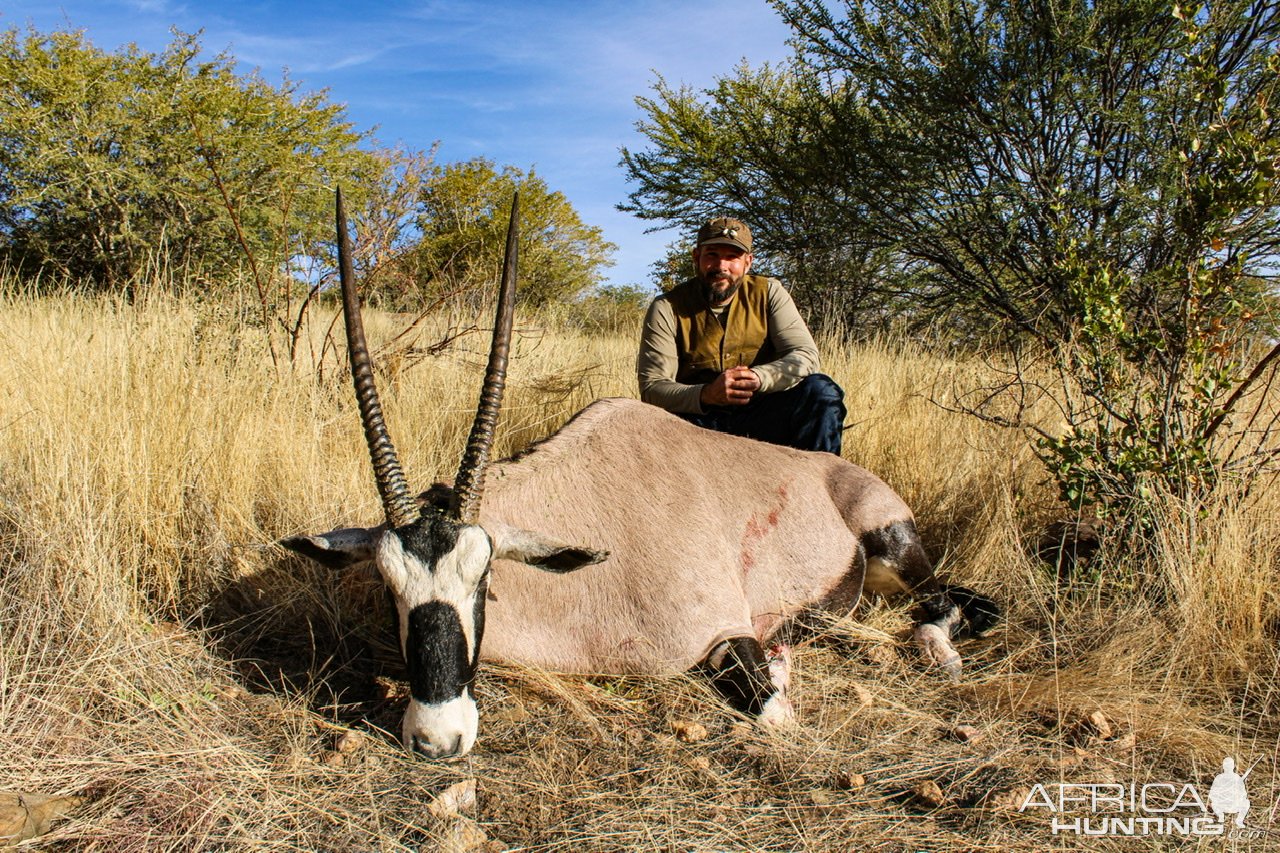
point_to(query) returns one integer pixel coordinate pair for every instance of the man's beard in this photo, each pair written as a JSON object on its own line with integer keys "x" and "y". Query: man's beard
{"x": 719, "y": 287}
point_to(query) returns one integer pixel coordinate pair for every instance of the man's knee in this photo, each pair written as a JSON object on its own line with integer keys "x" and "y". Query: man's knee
{"x": 821, "y": 385}
{"x": 821, "y": 408}
{"x": 821, "y": 391}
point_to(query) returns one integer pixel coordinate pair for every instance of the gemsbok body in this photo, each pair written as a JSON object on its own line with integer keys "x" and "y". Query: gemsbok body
{"x": 628, "y": 542}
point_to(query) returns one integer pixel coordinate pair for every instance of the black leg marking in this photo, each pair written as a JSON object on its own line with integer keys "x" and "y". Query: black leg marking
{"x": 934, "y": 607}
{"x": 897, "y": 563}
{"x": 980, "y": 613}
{"x": 899, "y": 547}
{"x": 739, "y": 671}
{"x": 902, "y": 565}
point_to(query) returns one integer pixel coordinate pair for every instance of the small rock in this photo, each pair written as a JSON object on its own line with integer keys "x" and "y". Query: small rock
{"x": 25, "y": 815}
{"x": 930, "y": 794}
{"x": 689, "y": 732}
{"x": 863, "y": 695}
{"x": 965, "y": 733}
{"x": 1007, "y": 801}
{"x": 1100, "y": 724}
{"x": 1094, "y": 724}
{"x": 463, "y": 836}
{"x": 847, "y": 780}
{"x": 333, "y": 758}
{"x": 700, "y": 762}
{"x": 455, "y": 799}
{"x": 1126, "y": 741}
{"x": 349, "y": 742}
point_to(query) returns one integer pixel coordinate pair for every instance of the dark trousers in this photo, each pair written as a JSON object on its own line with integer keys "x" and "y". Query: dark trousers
{"x": 808, "y": 417}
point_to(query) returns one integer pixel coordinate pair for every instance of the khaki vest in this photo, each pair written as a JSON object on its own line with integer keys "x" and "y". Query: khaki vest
{"x": 705, "y": 347}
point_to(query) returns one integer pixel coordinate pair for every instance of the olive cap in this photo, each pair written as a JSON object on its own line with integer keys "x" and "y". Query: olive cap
{"x": 725, "y": 231}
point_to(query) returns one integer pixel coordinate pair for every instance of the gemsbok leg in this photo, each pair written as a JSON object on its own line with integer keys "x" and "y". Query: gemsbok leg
{"x": 897, "y": 564}
{"x": 752, "y": 680}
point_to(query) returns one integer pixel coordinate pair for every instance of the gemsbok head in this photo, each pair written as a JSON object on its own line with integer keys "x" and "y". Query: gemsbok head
{"x": 435, "y": 560}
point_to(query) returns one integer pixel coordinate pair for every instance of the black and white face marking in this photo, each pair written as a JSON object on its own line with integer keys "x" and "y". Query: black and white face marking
{"x": 437, "y": 571}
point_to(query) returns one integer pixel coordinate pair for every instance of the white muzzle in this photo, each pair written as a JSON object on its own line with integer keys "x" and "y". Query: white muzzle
{"x": 444, "y": 730}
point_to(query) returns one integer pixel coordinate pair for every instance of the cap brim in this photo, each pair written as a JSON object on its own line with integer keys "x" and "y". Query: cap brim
{"x": 724, "y": 241}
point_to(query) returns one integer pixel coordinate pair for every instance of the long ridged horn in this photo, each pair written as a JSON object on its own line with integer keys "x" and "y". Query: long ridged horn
{"x": 469, "y": 484}
{"x": 397, "y": 503}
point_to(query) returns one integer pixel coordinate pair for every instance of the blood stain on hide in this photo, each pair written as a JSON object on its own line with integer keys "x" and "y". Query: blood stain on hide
{"x": 758, "y": 528}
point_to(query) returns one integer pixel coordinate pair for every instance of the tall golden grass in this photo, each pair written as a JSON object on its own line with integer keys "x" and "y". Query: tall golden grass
{"x": 204, "y": 690}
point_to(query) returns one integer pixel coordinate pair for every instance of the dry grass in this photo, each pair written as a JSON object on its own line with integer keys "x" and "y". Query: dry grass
{"x": 200, "y": 686}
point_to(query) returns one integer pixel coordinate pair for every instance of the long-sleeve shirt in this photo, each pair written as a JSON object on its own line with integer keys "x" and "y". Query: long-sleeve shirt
{"x": 795, "y": 355}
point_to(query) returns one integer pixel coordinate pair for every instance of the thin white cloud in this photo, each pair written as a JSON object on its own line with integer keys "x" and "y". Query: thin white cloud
{"x": 154, "y": 7}
{"x": 301, "y": 55}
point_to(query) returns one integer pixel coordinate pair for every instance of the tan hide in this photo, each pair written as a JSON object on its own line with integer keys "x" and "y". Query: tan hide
{"x": 710, "y": 536}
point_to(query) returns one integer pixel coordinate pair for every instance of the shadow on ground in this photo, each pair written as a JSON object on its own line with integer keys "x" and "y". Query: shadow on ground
{"x": 298, "y": 629}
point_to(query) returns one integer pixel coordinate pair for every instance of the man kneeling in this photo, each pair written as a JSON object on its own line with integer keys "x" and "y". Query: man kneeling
{"x": 729, "y": 351}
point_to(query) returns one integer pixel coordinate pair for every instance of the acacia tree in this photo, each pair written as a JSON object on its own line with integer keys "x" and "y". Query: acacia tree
{"x": 1094, "y": 176}
{"x": 751, "y": 147}
{"x": 112, "y": 161}
{"x": 461, "y": 214}
{"x": 931, "y": 156}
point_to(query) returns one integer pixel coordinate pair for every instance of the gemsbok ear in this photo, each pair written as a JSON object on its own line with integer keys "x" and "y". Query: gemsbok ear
{"x": 539, "y": 551}
{"x": 337, "y": 549}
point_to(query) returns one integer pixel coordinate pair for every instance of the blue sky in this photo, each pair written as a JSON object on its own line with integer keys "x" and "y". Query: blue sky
{"x": 549, "y": 85}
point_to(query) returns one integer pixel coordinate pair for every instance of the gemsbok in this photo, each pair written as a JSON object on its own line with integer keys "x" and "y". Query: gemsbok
{"x": 703, "y": 545}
